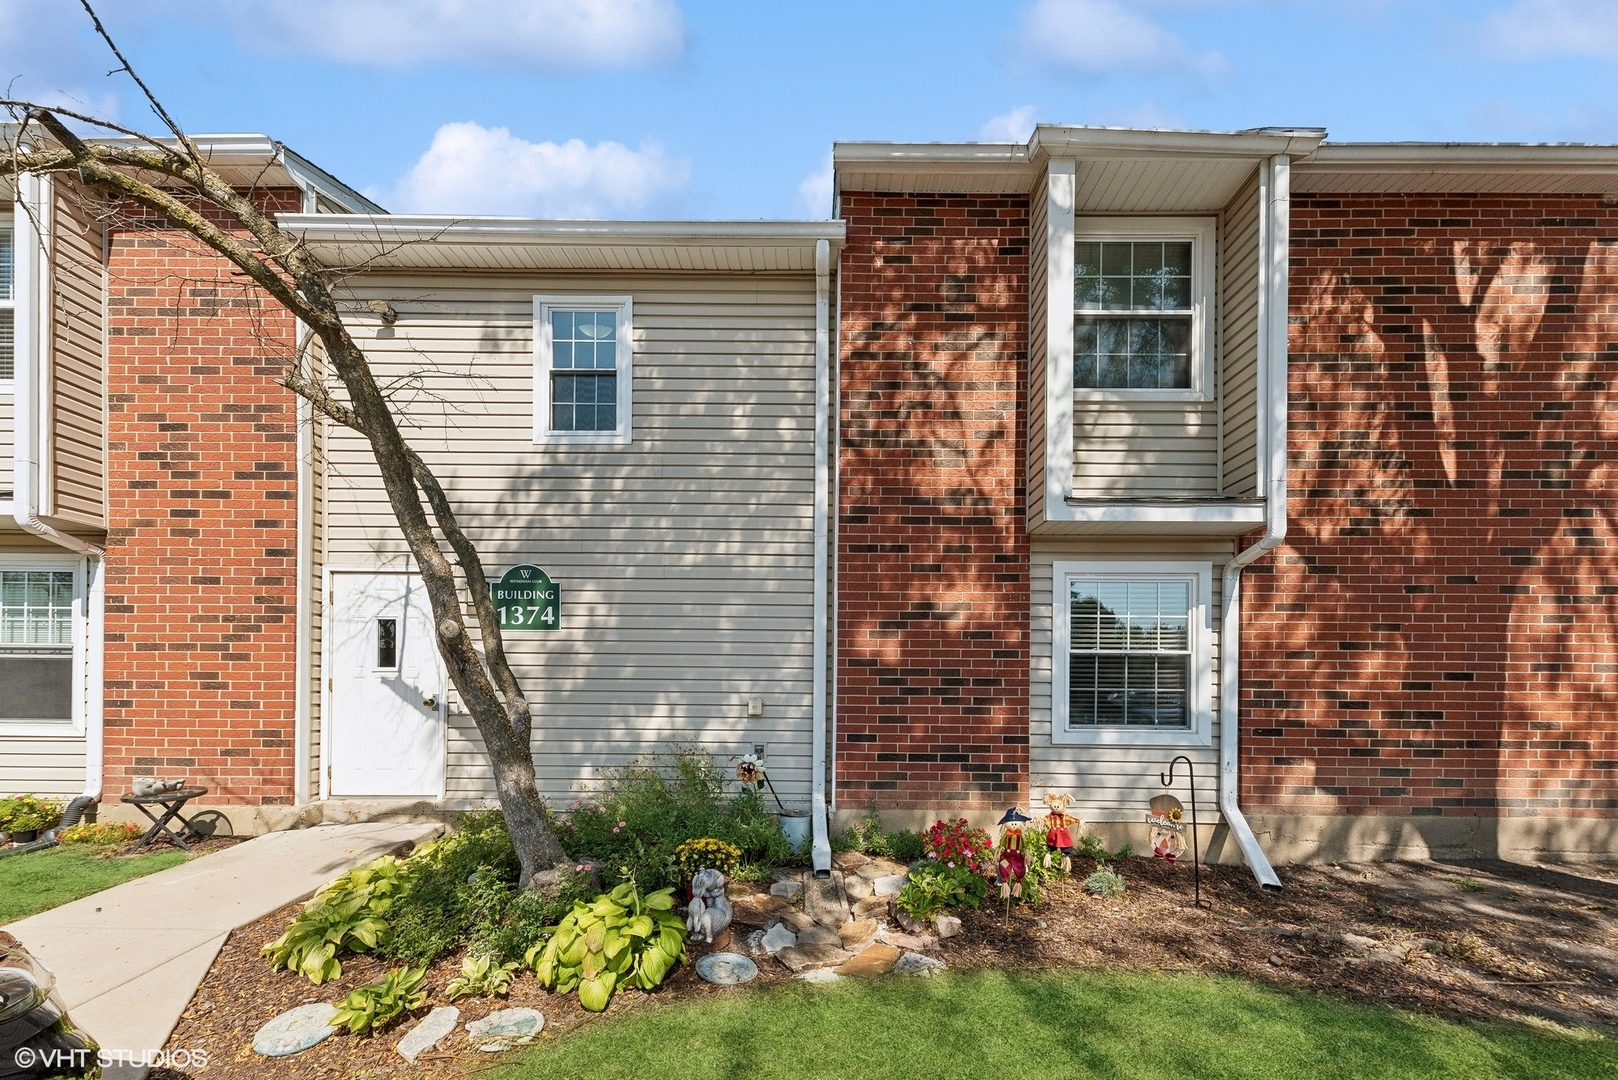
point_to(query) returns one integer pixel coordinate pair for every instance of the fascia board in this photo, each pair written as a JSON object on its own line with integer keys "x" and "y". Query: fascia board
{"x": 1082, "y": 142}
{"x": 1461, "y": 157}
{"x": 334, "y": 228}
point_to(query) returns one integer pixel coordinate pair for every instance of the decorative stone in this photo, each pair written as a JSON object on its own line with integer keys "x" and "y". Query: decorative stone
{"x": 295, "y": 1030}
{"x": 797, "y": 921}
{"x": 849, "y": 860}
{"x": 427, "y": 1034}
{"x": 889, "y": 885}
{"x": 755, "y": 943}
{"x": 858, "y": 934}
{"x": 825, "y": 902}
{"x": 908, "y": 941}
{"x": 819, "y": 935}
{"x": 787, "y": 890}
{"x": 946, "y": 925}
{"x": 808, "y": 957}
{"x": 856, "y": 887}
{"x": 781, "y": 873}
{"x": 870, "y": 962}
{"x": 726, "y": 969}
{"x": 876, "y": 868}
{"x": 777, "y": 938}
{"x": 913, "y": 963}
{"x": 504, "y": 1029}
{"x": 820, "y": 975}
{"x": 909, "y": 925}
{"x": 871, "y": 905}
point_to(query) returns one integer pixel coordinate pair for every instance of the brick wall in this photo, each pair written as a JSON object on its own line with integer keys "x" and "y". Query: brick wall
{"x": 932, "y": 578}
{"x": 1437, "y": 637}
{"x": 202, "y": 515}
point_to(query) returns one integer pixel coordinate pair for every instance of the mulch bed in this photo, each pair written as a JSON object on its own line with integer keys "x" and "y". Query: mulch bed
{"x": 1486, "y": 941}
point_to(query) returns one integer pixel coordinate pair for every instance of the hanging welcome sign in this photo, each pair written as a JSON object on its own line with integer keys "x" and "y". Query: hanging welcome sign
{"x": 1167, "y": 819}
{"x": 527, "y": 599}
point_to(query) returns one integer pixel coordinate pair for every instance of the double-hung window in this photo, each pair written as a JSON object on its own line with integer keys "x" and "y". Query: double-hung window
{"x": 8, "y": 300}
{"x": 38, "y": 646}
{"x": 1132, "y": 652}
{"x": 583, "y": 369}
{"x": 1140, "y": 306}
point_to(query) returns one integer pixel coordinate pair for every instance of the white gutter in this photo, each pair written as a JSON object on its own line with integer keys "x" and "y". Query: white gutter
{"x": 1272, "y": 394}
{"x": 820, "y": 846}
{"x": 32, "y": 347}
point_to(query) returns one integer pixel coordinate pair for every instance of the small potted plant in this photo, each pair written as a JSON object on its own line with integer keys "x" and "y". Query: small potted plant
{"x": 25, "y": 816}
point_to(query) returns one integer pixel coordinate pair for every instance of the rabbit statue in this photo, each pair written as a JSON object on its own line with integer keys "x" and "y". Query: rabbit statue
{"x": 709, "y": 911}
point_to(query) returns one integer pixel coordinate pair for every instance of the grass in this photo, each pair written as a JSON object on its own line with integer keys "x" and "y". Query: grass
{"x": 40, "y": 880}
{"x": 976, "y": 1024}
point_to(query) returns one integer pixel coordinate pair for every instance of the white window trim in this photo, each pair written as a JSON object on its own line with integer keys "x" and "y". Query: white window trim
{"x": 624, "y": 307}
{"x": 1200, "y": 697}
{"x": 75, "y": 727}
{"x": 1201, "y": 232}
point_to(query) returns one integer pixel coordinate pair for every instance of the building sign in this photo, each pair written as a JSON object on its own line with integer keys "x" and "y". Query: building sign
{"x": 527, "y": 599}
{"x": 1166, "y": 818}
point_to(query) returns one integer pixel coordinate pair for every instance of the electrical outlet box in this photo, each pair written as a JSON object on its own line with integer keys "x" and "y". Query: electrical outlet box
{"x": 755, "y": 706}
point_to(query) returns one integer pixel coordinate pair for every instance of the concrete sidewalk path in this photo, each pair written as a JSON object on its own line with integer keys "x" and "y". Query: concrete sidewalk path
{"x": 128, "y": 959}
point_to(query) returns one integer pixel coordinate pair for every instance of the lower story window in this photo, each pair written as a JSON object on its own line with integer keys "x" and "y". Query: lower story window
{"x": 1131, "y": 651}
{"x": 36, "y": 646}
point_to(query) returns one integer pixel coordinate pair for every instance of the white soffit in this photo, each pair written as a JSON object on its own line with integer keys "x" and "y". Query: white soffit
{"x": 517, "y": 244}
{"x": 1484, "y": 168}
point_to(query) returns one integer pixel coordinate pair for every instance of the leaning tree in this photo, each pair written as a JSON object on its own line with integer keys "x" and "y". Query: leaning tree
{"x": 169, "y": 176}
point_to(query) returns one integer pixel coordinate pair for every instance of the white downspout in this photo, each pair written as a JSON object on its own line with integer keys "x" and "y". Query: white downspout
{"x": 1274, "y": 195}
{"x": 32, "y": 228}
{"x": 820, "y": 846}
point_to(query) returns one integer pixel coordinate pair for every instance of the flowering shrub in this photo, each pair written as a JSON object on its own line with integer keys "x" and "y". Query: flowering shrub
{"x": 706, "y": 852}
{"x": 957, "y": 844}
{"x": 22, "y": 813}
{"x": 100, "y": 832}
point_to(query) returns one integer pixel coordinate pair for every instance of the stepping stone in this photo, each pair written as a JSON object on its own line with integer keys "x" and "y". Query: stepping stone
{"x": 871, "y": 905}
{"x": 856, "y": 887}
{"x": 504, "y": 1029}
{"x": 856, "y": 935}
{"x": 427, "y": 1034}
{"x": 808, "y": 957}
{"x": 777, "y": 938}
{"x": 913, "y": 963}
{"x": 726, "y": 969}
{"x": 849, "y": 860}
{"x": 876, "y": 868}
{"x": 296, "y": 1030}
{"x": 797, "y": 921}
{"x": 889, "y": 885}
{"x": 871, "y": 962}
{"x": 820, "y": 975}
{"x": 825, "y": 902}
{"x": 946, "y": 925}
{"x": 819, "y": 935}
{"x": 787, "y": 890}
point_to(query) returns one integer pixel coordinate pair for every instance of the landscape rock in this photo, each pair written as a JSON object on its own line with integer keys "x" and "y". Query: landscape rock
{"x": 888, "y": 885}
{"x": 858, "y": 934}
{"x": 781, "y": 873}
{"x": 295, "y": 1030}
{"x": 856, "y": 887}
{"x": 755, "y": 943}
{"x": 726, "y": 969}
{"x": 427, "y": 1034}
{"x": 871, "y": 905}
{"x": 849, "y": 860}
{"x": 808, "y": 957}
{"x": 776, "y": 938}
{"x": 819, "y": 935}
{"x": 825, "y": 902}
{"x": 909, "y": 925}
{"x": 504, "y": 1029}
{"x": 787, "y": 890}
{"x": 876, "y": 868}
{"x": 913, "y": 963}
{"x": 907, "y": 941}
{"x": 797, "y": 921}
{"x": 820, "y": 975}
{"x": 871, "y": 962}
{"x": 947, "y": 925}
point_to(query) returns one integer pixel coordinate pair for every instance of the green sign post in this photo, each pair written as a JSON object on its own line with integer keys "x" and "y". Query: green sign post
{"x": 527, "y": 599}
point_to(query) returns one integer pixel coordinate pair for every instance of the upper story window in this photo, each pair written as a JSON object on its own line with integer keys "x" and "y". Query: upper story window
{"x": 583, "y": 370}
{"x": 8, "y": 300}
{"x": 1140, "y": 306}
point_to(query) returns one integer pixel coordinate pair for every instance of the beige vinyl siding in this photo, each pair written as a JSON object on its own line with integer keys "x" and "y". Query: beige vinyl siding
{"x": 41, "y": 766}
{"x": 1133, "y": 449}
{"x": 1113, "y": 783}
{"x": 1238, "y": 335}
{"x": 1038, "y": 269}
{"x": 76, "y": 466}
{"x": 685, "y": 559}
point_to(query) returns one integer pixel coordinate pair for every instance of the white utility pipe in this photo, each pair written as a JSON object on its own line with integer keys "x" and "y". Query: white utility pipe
{"x": 820, "y": 847}
{"x": 1274, "y": 188}
{"x": 32, "y": 350}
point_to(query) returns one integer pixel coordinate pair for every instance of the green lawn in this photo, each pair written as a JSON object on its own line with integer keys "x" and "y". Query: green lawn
{"x": 44, "y": 879}
{"x": 999, "y": 1024}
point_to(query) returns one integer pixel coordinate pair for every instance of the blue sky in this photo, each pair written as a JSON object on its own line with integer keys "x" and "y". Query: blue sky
{"x": 698, "y": 108}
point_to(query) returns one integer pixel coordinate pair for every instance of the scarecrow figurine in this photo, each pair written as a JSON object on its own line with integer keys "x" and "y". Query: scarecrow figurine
{"x": 1059, "y": 825}
{"x": 1011, "y": 865}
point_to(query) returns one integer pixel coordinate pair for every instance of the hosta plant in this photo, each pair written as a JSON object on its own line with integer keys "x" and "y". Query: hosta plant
{"x": 371, "y": 1007}
{"x": 480, "y": 977}
{"x": 618, "y": 939}
{"x": 348, "y": 914}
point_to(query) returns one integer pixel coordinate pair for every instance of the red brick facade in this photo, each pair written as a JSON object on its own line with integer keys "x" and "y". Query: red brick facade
{"x": 1437, "y": 635}
{"x": 202, "y": 514}
{"x": 932, "y": 581}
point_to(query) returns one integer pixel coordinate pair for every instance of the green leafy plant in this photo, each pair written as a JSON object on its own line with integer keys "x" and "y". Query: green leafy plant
{"x": 1092, "y": 845}
{"x": 348, "y": 914}
{"x": 933, "y": 887}
{"x": 867, "y": 837}
{"x": 1105, "y": 882}
{"x": 99, "y": 832}
{"x": 28, "y": 813}
{"x": 373, "y": 1006}
{"x": 618, "y": 939}
{"x": 481, "y": 976}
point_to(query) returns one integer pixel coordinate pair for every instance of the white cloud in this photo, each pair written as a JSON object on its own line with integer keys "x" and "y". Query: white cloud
{"x": 815, "y": 192}
{"x": 471, "y": 169}
{"x": 1095, "y": 37}
{"x": 1013, "y": 126}
{"x": 532, "y": 35}
{"x": 45, "y": 58}
{"x": 1536, "y": 29}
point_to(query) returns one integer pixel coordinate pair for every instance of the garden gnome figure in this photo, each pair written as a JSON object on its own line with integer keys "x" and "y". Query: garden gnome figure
{"x": 1059, "y": 826}
{"x": 709, "y": 911}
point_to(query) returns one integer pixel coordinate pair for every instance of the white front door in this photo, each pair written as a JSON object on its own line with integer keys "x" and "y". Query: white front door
{"x": 385, "y": 716}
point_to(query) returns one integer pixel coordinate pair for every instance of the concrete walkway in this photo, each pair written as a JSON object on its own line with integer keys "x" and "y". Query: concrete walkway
{"x": 128, "y": 959}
